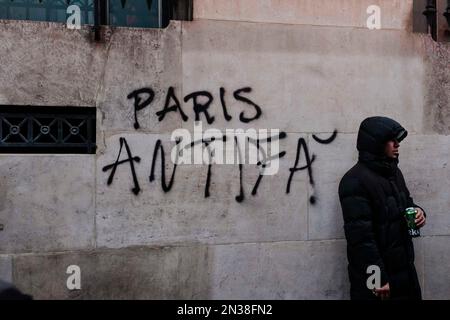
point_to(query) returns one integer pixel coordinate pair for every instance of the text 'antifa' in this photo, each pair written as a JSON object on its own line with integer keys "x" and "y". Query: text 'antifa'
{"x": 236, "y": 140}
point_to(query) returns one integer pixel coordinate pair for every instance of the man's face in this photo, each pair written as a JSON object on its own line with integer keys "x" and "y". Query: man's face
{"x": 391, "y": 149}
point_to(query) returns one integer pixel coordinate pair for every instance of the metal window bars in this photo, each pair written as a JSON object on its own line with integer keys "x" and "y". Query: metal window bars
{"x": 36, "y": 129}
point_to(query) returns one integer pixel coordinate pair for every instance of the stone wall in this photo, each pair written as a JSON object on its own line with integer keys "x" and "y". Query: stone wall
{"x": 312, "y": 68}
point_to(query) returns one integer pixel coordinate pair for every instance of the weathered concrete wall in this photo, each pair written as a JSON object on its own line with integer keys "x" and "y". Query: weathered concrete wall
{"x": 310, "y": 74}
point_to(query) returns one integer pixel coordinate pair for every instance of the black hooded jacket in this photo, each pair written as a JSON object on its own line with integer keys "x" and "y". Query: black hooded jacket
{"x": 373, "y": 197}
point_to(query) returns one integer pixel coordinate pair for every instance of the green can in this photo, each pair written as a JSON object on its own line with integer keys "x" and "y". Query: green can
{"x": 410, "y": 215}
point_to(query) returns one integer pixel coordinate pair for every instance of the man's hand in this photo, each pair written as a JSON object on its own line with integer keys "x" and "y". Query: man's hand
{"x": 420, "y": 218}
{"x": 384, "y": 292}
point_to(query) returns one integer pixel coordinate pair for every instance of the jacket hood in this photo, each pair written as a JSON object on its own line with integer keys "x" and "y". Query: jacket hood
{"x": 374, "y": 132}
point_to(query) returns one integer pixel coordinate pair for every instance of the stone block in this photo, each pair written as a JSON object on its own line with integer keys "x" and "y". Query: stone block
{"x": 280, "y": 270}
{"x": 46, "y": 202}
{"x": 133, "y": 273}
{"x": 343, "y": 13}
{"x": 436, "y": 261}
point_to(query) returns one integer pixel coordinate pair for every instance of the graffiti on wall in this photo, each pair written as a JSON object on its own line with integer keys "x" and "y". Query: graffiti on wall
{"x": 201, "y": 102}
{"x": 143, "y": 97}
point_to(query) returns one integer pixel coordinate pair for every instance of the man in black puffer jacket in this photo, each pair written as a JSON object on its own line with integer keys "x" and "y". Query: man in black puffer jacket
{"x": 373, "y": 197}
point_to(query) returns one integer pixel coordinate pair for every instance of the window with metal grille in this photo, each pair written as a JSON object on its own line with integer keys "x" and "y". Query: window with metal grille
{"x": 36, "y": 129}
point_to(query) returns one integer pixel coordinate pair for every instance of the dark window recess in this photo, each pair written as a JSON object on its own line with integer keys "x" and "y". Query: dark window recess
{"x": 36, "y": 129}
{"x": 45, "y": 10}
{"x": 124, "y": 13}
{"x": 142, "y": 13}
{"x": 135, "y": 13}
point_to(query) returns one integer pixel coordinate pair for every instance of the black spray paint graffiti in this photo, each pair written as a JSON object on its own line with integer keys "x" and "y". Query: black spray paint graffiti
{"x": 159, "y": 149}
{"x": 140, "y": 104}
{"x": 144, "y": 97}
{"x": 301, "y": 145}
{"x": 136, "y": 189}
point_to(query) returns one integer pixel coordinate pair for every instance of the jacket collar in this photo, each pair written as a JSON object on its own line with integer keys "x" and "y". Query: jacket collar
{"x": 383, "y": 165}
